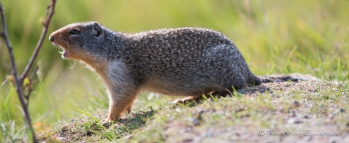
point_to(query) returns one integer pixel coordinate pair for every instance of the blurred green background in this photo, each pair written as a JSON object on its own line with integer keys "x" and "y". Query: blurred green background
{"x": 274, "y": 36}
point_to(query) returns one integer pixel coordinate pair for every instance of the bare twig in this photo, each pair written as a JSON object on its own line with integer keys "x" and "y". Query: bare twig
{"x": 49, "y": 13}
{"x": 18, "y": 81}
{"x": 18, "y": 84}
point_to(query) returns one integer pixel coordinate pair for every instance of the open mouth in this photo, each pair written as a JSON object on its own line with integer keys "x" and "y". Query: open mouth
{"x": 62, "y": 51}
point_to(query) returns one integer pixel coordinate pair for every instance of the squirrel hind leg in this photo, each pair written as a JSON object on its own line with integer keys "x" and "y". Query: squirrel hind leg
{"x": 188, "y": 99}
{"x": 197, "y": 98}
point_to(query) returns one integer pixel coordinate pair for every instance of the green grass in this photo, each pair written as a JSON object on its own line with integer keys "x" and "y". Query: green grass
{"x": 232, "y": 119}
{"x": 275, "y": 36}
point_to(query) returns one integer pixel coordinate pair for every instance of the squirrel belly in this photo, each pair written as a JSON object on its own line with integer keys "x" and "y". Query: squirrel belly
{"x": 176, "y": 61}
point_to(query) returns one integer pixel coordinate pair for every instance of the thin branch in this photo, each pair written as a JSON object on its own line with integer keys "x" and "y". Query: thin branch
{"x": 10, "y": 50}
{"x": 19, "y": 80}
{"x": 49, "y": 13}
{"x": 15, "y": 75}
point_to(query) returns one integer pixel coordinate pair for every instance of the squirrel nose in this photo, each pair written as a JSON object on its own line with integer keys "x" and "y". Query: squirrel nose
{"x": 51, "y": 39}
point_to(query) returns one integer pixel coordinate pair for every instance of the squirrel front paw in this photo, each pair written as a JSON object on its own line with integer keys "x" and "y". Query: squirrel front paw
{"x": 107, "y": 122}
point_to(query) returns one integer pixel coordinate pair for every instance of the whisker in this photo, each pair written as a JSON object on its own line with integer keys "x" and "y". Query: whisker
{"x": 73, "y": 65}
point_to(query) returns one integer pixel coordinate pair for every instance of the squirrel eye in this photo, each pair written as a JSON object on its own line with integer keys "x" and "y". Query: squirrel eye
{"x": 74, "y": 31}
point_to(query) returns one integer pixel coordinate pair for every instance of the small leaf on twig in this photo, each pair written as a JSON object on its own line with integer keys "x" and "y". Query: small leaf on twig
{"x": 42, "y": 21}
{"x": 26, "y": 82}
{"x": 10, "y": 78}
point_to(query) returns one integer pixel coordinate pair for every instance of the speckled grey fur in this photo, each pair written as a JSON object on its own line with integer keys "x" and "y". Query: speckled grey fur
{"x": 177, "y": 61}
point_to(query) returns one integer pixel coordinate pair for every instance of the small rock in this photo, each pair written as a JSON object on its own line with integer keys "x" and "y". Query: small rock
{"x": 307, "y": 138}
{"x": 296, "y": 103}
{"x": 295, "y": 121}
{"x": 187, "y": 140}
{"x": 61, "y": 138}
{"x": 306, "y": 116}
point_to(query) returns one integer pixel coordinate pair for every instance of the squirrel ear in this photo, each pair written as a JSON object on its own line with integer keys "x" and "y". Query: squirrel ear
{"x": 97, "y": 29}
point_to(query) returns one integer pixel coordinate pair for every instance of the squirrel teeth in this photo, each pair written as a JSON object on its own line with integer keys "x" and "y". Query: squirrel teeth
{"x": 64, "y": 53}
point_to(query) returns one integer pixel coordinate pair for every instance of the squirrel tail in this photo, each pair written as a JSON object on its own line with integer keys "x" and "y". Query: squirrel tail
{"x": 290, "y": 77}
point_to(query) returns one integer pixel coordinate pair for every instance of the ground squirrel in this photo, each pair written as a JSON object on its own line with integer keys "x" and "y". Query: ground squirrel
{"x": 177, "y": 61}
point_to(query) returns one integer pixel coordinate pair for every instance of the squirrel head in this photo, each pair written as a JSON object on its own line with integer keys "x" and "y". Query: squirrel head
{"x": 79, "y": 41}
